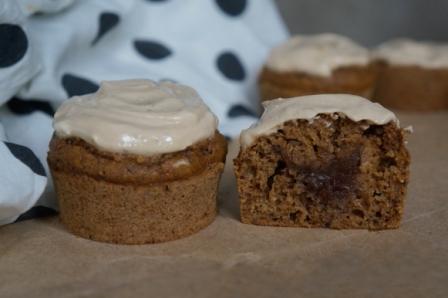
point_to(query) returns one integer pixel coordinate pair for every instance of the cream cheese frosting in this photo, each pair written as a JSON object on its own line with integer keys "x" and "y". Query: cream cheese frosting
{"x": 317, "y": 54}
{"x": 137, "y": 116}
{"x": 278, "y": 111}
{"x": 409, "y": 52}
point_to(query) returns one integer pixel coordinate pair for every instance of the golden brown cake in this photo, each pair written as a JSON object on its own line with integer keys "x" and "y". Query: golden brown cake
{"x": 325, "y": 63}
{"x": 331, "y": 161}
{"x": 412, "y": 75}
{"x": 136, "y": 162}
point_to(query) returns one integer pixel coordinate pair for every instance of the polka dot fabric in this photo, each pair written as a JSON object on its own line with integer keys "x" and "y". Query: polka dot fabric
{"x": 217, "y": 47}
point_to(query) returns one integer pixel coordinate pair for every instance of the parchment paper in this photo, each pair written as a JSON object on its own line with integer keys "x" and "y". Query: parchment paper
{"x": 38, "y": 258}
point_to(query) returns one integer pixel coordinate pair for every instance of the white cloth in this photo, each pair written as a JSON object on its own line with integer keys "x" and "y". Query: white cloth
{"x": 215, "y": 46}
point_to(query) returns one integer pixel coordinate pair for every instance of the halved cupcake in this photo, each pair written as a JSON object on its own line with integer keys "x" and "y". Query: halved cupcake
{"x": 136, "y": 162}
{"x": 332, "y": 160}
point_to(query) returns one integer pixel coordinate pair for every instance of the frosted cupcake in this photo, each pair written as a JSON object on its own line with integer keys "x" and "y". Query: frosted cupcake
{"x": 413, "y": 75}
{"x": 324, "y": 63}
{"x": 323, "y": 161}
{"x": 136, "y": 162}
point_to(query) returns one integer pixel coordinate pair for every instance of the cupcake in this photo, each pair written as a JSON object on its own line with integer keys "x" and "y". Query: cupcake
{"x": 136, "y": 162}
{"x": 330, "y": 161}
{"x": 413, "y": 75}
{"x": 324, "y": 63}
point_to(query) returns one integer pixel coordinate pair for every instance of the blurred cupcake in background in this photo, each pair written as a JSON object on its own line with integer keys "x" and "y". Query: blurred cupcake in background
{"x": 323, "y": 63}
{"x": 413, "y": 75}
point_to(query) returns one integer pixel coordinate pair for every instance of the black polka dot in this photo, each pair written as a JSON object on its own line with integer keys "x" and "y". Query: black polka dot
{"x": 26, "y": 156}
{"x": 232, "y": 7}
{"x": 240, "y": 110}
{"x": 75, "y": 85}
{"x": 230, "y": 66}
{"x": 37, "y": 212}
{"x": 13, "y": 44}
{"x": 107, "y": 21}
{"x": 151, "y": 49}
{"x": 25, "y": 107}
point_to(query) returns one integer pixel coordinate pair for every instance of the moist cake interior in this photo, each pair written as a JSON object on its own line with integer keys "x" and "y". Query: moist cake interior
{"x": 330, "y": 172}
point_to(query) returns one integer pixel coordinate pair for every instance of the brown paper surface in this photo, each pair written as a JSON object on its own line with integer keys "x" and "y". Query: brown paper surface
{"x": 38, "y": 258}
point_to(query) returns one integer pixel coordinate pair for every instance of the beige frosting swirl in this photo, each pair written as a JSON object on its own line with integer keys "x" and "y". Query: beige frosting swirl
{"x": 137, "y": 116}
{"x": 308, "y": 107}
{"x": 409, "y": 52}
{"x": 317, "y": 54}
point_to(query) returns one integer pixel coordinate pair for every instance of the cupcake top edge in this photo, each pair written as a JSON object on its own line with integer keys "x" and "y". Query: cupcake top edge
{"x": 403, "y": 51}
{"x": 137, "y": 116}
{"x": 278, "y": 111}
{"x": 317, "y": 54}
